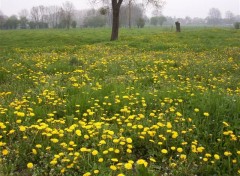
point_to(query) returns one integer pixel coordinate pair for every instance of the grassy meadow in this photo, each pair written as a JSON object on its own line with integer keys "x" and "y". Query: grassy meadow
{"x": 153, "y": 103}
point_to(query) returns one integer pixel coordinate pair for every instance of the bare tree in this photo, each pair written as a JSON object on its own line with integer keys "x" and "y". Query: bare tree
{"x": 229, "y": 16}
{"x": 131, "y": 19}
{"x": 3, "y": 20}
{"x": 43, "y": 13}
{"x": 129, "y": 13}
{"x": 35, "y": 14}
{"x": 23, "y": 18}
{"x": 54, "y": 16}
{"x": 116, "y": 4}
{"x": 156, "y": 12}
{"x": 23, "y": 13}
{"x": 214, "y": 16}
{"x": 68, "y": 12}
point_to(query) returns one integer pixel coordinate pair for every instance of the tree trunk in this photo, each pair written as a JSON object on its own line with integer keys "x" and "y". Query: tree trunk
{"x": 129, "y": 14}
{"x": 115, "y": 24}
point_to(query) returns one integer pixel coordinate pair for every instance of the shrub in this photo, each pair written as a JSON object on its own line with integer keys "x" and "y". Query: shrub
{"x": 140, "y": 23}
{"x": 74, "y": 24}
{"x": 237, "y": 25}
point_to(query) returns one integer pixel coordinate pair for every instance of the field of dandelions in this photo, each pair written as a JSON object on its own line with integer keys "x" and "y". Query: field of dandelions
{"x": 154, "y": 103}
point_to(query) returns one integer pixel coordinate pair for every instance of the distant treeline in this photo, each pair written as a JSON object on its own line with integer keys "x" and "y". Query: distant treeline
{"x": 66, "y": 16}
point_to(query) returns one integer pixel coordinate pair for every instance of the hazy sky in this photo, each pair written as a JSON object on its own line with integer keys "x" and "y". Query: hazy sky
{"x": 177, "y": 8}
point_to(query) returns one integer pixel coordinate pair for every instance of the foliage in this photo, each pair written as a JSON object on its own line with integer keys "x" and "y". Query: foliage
{"x": 95, "y": 21}
{"x": 237, "y": 25}
{"x": 23, "y": 22}
{"x": 158, "y": 20}
{"x": 103, "y": 10}
{"x": 11, "y": 22}
{"x": 140, "y": 23}
{"x": 37, "y": 25}
{"x": 74, "y": 24}
{"x": 153, "y": 103}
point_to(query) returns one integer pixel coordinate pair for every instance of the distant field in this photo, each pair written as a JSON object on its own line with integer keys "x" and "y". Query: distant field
{"x": 154, "y": 102}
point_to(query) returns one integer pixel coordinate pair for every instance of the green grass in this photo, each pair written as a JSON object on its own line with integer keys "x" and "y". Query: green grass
{"x": 194, "y": 38}
{"x": 72, "y": 97}
{"x": 52, "y": 37}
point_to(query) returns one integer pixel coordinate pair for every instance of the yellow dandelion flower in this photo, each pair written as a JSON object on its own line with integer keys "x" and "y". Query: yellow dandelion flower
{"x": 100, "y": 160}
{"x": 96, "y": 171}
{"x": 129, "y": 140}
{"x": 169, "y": 125}
{"x": 178, "y": 114}
{"x": 20, "y": 114}
{"x": 208, "y": 155}
{"x": 18, "y": 121}
{"x": 174, "y": 135}
{"x": 200, "y": 149}
{"x": 11, "y": 132}
{"x": 122, "y": 143}
{"x": 71, "y": 143}
{"x": 112, "y": 167}
{"x": 5, "y": 152}
{"x": 227, "y": 153}
{"x": 173, "y": 165}
{"x": 22, "y": 128}
{"x": 173, "y": 148}
{"x": 54, "y": 140}
{"x": 196, "y": 110}
{"x": 86, "y": 136}
{"x": 53, "y": 162}
{"x": 25, "y": 137}
{"x": 87, "y": 174}
{"x": 105, "y": 152}
{"x": 78, "y": 132}
{"x": 57, "y": 156}
{"x": 50, "y": 115}
{"x": 34, "y": 151}
{"x": 164, "y": 151}
{"x": 180, "y": 150}
{"x": 38, "y": 146}
{"x": 129, "y": 150}
{"x": 114, "y": 159}
{"x": 2, "y": 143}
{"x": 48, "y": 148}
{"x": 121, "y": 174}
{"x": 111, "y": 149}
{"x": 152, "y": 114}
{"x": 183, "y": 157}
{"x": 206, "y": 114}
{"x": 30, "y": 165}
{"x": 142, "y": 162}
{"x": 128, "y": 166}
{"x": 102, "y": 142}
{"x": 152, "y": 159}
{"x": 216, "y": 157}
{"x": 63, "y": 170}
{"x": 31, "y": 114}
{"x": 225, "y": 124}
{"x": 117, "y": 151}
{"x": 94, "y": 152}
{"x": 205, "y": 159}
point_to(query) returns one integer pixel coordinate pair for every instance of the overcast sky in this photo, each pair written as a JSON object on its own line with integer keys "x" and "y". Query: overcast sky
{"x": 177, "y": 8}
